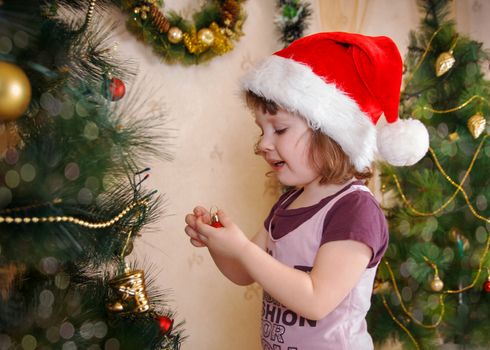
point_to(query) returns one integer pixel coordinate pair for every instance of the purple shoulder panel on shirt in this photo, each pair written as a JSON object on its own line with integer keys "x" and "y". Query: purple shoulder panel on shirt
{"x": 356, "y": 216}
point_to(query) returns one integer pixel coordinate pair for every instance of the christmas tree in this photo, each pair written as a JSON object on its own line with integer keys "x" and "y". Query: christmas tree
{"x": 433, "y": 285}
{"x": 72, "y": 201}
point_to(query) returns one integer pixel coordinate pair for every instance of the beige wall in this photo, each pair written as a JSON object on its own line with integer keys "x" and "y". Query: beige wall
{"x": 214, "y": 164}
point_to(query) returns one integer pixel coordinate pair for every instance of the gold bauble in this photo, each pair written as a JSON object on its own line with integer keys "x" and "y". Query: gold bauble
{"x": 476, "y": 124}
{"x": 206, "y": 36}
{"x": 174, "y": 35}
{"x": 436, "y": 284}
{"x": 444, "y": 62}
{"x": 15, "y": 91}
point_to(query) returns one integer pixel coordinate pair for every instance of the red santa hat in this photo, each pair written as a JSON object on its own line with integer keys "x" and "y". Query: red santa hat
{"x": 341, "y": 83}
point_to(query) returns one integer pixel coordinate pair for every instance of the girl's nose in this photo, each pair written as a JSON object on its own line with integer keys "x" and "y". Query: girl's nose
{"x": 264, "y": 145}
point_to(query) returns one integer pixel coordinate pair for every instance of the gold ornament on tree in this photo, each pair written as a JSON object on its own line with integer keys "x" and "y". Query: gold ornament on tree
{"x": 476, "y": 125}
{"x": 15, "y": 91}
{"x": 445, "y": 61}
{"x": 436, "y": 284}
{"x": 129, "y": 291}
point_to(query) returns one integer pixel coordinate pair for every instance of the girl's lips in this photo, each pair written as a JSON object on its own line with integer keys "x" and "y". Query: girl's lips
{"x": 276, "y": 165}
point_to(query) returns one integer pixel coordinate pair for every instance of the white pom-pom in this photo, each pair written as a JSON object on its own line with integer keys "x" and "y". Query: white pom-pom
{"x": 404, "y": 142}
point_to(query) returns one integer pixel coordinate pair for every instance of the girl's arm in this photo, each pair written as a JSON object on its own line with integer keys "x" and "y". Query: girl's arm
{"x": 228, "y": 264}
{"x": 232, "y": 267}
{"x": 337, "y": 269}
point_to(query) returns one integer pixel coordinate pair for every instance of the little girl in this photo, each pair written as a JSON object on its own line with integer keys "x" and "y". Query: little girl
{"x": 316, "y": 103}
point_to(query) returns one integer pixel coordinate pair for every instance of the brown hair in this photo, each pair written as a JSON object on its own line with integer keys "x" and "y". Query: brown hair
{"x": 333, "y": 164}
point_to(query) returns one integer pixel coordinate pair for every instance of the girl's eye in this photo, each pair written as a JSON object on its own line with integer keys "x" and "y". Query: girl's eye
{"x": 280, "y": 131}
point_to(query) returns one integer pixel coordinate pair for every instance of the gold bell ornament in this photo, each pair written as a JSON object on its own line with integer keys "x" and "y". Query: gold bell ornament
{"x": 130, "y": 294}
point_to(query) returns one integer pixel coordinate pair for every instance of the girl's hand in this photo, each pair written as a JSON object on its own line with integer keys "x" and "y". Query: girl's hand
{"x": 191, "y": 228}
{"x": 228, "y": 240}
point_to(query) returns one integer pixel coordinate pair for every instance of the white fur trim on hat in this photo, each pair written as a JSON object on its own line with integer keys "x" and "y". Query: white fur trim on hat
{"x": 296, "y": 88}
{"x": 404, "y": 142}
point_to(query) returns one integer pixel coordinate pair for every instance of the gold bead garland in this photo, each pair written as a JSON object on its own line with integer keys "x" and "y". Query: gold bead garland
{"x": 72, "y": 219}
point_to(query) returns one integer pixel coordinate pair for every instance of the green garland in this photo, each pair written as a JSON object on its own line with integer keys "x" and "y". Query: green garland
{"x": 211, "y": 32}
{"x": 292, "y": 19}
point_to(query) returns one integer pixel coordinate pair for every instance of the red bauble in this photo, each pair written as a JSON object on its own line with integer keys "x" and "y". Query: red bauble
{"x": 216, "y": 224}
{"x": 114, "y": 89}
{"x": 215, "y": 220}
{"x": 165, "y": 324}
{"x": 486, "y": 286}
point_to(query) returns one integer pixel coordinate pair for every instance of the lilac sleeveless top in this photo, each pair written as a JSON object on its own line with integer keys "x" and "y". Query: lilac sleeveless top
{"x": 295, "y": 235}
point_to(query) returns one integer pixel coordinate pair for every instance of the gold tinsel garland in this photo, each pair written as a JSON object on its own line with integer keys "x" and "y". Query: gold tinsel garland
{"x": 215, "y": 26}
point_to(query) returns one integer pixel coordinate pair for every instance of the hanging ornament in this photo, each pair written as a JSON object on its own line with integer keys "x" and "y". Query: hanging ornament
{"x": 486, "y": 285}
{"x": 476, "y": 125}
{"x": 444, "y": 62}
{"x": 166, "y": 324}
{"x": 114, "y": 89}
{"x": 215, "y": 219}
{"x": 174, "y": 35}
{"x": 436, "y": 284}
{"x": 129, "y": 292}
{"x": 15, "y": 91}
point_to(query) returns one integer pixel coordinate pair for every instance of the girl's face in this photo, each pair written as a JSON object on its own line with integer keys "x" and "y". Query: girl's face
{"x": 284, "y": 144}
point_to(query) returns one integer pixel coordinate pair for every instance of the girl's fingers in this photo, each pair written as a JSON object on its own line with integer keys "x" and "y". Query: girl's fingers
{"x": 190, "y": 220}
{"x": 203, "y": 213}
{"x": 197, "y": 243}
{"x": 191, "y": 232}
{"x": 204, "y": 228}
